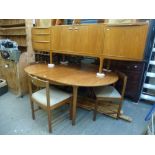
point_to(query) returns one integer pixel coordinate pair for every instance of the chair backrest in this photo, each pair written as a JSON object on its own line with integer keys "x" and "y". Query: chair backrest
{"x": 39, "y": 84}
{"x": 120, "y": 85}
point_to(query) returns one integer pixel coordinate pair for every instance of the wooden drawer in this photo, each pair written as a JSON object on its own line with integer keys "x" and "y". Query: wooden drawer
{"x": 40, "y": 31}
{"x": 36, "y": 38}
{"x": 41, "y": 46}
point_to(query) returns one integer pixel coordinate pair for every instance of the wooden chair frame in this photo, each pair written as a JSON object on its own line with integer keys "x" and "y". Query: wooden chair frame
{"x": 123, "y": 79}
{"x": 39, "y": 83}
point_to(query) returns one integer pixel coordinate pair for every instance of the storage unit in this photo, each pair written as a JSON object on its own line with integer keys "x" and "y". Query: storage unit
{"x": 15, "y": 30}
{"x": 13, "y": 72}
{"x": 120, "y": 42}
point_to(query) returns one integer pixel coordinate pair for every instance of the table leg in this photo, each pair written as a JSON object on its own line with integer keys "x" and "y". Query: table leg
{"x": 75, "y": 91}
{"x": 101, "y": 65}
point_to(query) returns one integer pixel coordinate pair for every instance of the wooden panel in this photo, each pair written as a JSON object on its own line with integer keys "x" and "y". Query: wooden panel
{"x": 127, "y": 42}
{"x": 41, "y": 39}
{"x": 83, "y": 39}
{"x": 62, "y": 38}
{"x": 55, "y": 37}
{"x": 9, "y": 74}
{"x": 40, "y": 31}
{"x": 45, "y": 46}
{"x": 88, "y": 39}
{"x": 66, "y": 38}
{"x": 36, "y": 38}
{"x": 15, "y": 31}
{"x": 14, "y": 74}
{"x": 12, "y": 22}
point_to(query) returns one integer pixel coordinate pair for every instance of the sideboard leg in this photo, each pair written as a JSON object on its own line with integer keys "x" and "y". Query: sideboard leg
{"x": 101, "y": 65}
{"x": 50, "y": 57}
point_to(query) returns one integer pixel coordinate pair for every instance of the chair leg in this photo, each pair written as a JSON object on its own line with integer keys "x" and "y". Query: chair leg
{"x": 49, "y": 121}
{"x": 95, "y": 110}
{"x": 32, "y": 109}
{"x": 70, "y": 111}
{"x": 119, "y": 109}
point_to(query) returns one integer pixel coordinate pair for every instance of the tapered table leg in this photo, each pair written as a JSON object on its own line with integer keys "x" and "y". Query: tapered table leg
{"x": 75, "y": 91}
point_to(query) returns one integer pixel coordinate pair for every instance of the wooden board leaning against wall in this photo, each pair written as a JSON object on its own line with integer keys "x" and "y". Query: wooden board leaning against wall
{"x": 113, "y": 41}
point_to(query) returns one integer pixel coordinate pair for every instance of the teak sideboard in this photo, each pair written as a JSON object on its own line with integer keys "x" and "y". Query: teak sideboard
{"x": 118, "y": 42}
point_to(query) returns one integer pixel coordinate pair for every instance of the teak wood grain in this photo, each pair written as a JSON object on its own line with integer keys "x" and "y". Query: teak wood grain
{"x": 75, "y": 76}
{"x": 41, "y": 39}
{"x": 120, "y": 42}
{"x": 84, "y": 75}
{"x": 125, "y": 42}
{"x": 79, "y": 39}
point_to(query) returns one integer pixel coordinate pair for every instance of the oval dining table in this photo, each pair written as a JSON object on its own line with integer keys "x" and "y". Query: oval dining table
{"x": 72, "y": 75}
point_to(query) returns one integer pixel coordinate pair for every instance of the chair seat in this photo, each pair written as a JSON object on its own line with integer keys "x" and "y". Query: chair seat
{"x": 56, "y": 96}
{"x": 106, "y": 92}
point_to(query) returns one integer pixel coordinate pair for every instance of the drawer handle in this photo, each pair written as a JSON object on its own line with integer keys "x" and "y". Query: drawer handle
{"x": 135, "y": 66}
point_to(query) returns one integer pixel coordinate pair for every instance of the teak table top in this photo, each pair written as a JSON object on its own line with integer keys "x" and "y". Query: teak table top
{"x": 84, "y": 75}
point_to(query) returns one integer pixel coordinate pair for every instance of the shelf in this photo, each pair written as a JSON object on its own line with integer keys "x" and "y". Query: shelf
{"x": 13, "y": 31}
{"x": 13, "y": 28}
{"x": 12, "y": 34}
{"x": 10, "y": 25}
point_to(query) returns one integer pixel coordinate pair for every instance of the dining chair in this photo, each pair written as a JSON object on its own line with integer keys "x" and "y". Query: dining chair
{"x": 113, "y": 94}
{"x": 46, "y": 97}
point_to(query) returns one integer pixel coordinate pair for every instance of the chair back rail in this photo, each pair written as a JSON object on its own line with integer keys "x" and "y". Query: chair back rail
{"x": 121, "y": 83}
{"x": 39, "y": 84}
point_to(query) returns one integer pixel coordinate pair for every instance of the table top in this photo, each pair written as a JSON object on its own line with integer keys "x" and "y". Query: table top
{"x": 82, "y": 75}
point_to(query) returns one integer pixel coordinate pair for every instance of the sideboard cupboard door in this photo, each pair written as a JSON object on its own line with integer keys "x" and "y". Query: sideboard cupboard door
{"x": 62, "y": 38}
{"x": 88, "y": 39}
{"x": 125, "y": 42}
{"x": 78, "y": 39}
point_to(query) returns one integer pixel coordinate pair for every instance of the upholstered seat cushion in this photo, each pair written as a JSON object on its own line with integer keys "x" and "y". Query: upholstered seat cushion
{"x": 107, "y": 92}
{"x": 56, "y": 96}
